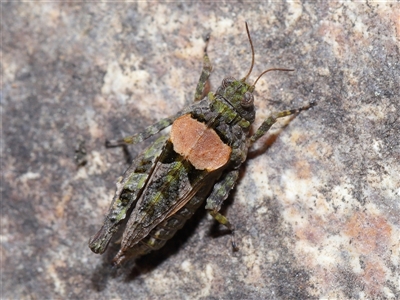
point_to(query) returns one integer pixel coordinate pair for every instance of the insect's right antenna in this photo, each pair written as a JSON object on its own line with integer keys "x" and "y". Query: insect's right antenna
{"x": 252, "y": 54}
{"x": 273, "y": 69}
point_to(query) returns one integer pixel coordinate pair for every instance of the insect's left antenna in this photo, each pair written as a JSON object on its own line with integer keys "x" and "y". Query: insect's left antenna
{"x": 252, "y": 53}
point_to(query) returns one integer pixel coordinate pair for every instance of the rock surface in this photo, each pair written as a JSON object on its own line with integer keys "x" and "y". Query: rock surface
{"x": 318, "y": 203}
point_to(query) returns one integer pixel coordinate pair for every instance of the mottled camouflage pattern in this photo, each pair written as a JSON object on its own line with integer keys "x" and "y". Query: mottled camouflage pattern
{"x": 128, "y": 188}
{"x": 161, "y": 190}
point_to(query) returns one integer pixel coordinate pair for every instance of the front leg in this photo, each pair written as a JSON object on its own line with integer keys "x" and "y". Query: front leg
{"x": 218, "y": 195}
{"x": 201, "y": 91}
{"x": 266, "y": 125}
{"x": 203, "y": 84}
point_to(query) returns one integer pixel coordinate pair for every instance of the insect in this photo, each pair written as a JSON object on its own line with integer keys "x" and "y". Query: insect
{"x": 198, "y": 161}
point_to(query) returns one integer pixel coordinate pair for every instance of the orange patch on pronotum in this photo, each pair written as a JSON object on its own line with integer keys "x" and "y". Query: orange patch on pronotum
{"x": 200, "y": 145}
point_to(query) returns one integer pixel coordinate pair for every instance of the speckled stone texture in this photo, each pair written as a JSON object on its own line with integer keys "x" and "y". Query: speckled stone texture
{"x": 317, "y": 205}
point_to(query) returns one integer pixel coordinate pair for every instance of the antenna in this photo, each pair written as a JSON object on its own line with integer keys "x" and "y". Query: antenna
{"x": 266, "y": 71}
{"x": 252, "y": 53}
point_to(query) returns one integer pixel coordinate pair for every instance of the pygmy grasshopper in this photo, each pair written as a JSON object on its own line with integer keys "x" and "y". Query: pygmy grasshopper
{"x": 199, "y": 160}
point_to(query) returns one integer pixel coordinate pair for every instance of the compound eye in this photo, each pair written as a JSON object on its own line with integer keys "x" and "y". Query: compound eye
{"x": 227, "y": 81}
{"x": 247, "y": 100}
